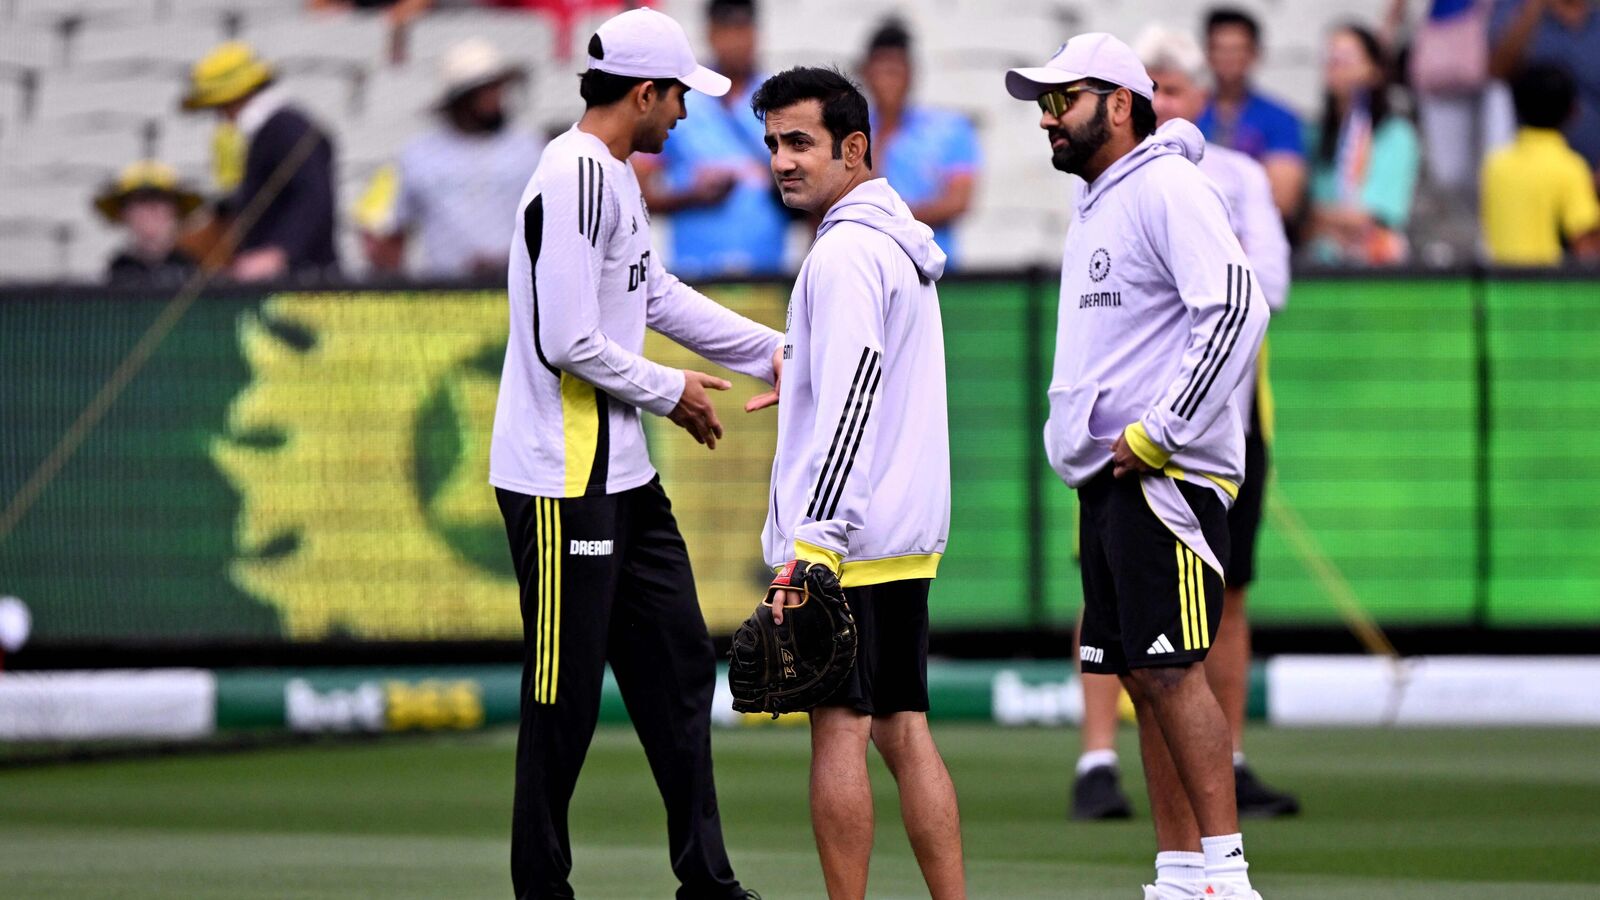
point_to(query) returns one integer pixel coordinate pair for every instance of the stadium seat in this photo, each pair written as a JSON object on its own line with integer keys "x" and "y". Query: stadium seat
{"x": 100, "y": 142}
{"x": 996, "y": 237}
{"x": 75, "y": 93}
{"x": 35, "y": 250}
{"x": 356, "y": 39}
{"x": 125, "y": 12}
{"x": 178, "y": 42}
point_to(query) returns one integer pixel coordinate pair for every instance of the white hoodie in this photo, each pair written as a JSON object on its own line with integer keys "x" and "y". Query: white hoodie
{"x": 1160, "y": 319}
{"x": 861, "y": 479}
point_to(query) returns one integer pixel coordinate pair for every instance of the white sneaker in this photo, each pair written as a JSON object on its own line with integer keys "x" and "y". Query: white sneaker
{"x": 1151, "y": 892}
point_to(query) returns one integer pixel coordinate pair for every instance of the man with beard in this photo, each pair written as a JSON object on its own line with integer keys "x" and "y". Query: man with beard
{"x": 456, "y": 186}
{"x": 1177, "y": 64}
{"x": 1160, "y": 319}
{"x": 604, "y": 573}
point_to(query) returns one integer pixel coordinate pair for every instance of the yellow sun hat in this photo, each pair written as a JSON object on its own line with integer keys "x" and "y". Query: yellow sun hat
{"x": 147, "y": 177}
{"x": 229, "y": 72}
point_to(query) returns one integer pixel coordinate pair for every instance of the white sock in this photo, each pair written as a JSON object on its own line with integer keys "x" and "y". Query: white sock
{"x": 1180, "y": 874}
{"x": 1238, "y": 759}
{"x": 1094, "y": 759}
{"x": 1225, "y": 865}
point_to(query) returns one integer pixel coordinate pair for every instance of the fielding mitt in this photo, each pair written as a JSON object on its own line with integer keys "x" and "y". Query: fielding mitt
{"x": 794, "y": 666}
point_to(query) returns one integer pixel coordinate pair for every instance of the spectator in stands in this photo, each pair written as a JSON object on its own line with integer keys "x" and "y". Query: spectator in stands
{"x": 1537, "y": 193}
{"x": 1561, "y": 32}
{"x": 293, "y": 234}
{"x": 929, "y": 156}
{"x": 1462, "y": 114}
{"x": 714, "y": 177}
{"x": 456, "y": 186}
{"x": 1241, "y": 119}
{"x": 1365, "y": 159}
{"x": 148, "y": 200}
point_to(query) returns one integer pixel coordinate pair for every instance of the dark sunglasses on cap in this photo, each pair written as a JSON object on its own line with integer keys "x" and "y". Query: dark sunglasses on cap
{"x": 1058, "y": 101}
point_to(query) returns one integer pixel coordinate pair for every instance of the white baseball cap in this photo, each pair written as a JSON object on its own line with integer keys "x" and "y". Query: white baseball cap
{"x": 642, "y": 43}
{"x": 1094, "y": 55}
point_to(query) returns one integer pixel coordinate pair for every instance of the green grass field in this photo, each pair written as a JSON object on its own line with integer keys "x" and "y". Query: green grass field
{"x": 1409, "y": 815}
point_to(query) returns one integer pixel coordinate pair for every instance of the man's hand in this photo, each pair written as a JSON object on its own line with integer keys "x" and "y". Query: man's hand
{"x": 770, "y": 398}
{"x": 1126, "y": 462}
{"x": 694, "y": 412}
{"x": 710, "y": 187}
{"x": 262, "y": 264}
{"x": 781, "y": 599}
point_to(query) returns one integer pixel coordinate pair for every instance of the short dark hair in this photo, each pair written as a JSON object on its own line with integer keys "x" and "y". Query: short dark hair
{"x": 1544, "y": 95}
{"x": 892, "y": 34}
{"x": 844, "y": 109}
{"x": 1144, "y": 112}
{"x": 1223, "y": 16}
{"x": 731, "y": 12}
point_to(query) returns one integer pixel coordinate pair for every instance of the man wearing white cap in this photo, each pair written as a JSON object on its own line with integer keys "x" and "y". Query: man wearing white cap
{"x": 1176, "y": 62}
{"x": 1160, "y": 319}
{"x": 455, "y": 187}
{"x": 604, "y": 574}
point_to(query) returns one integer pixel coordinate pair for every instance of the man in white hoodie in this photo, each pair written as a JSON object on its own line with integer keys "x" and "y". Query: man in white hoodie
{"x": 1177, "y": 64}
{"x": 1160, "y": 319}
{"x": 861, "y": 479}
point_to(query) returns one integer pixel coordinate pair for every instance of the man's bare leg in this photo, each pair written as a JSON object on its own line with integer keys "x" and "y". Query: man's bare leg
{"x": 1176, "y": 828}
{"x": 1196, "y": 734}
{"x": 1228, "y": 664}
{"x": 927, "y": 800}
{"x": 841, "y": 799}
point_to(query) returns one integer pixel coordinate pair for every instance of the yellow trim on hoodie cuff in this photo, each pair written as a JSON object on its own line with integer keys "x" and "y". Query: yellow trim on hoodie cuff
{"x": 861, "y": 573}
{"x": 811, "y": 553}
{"x": 1139, "y": 442}
{"x": 893, "y": 568}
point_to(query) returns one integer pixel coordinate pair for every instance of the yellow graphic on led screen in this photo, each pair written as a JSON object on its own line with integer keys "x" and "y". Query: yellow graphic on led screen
{"x": 360, "y": 451}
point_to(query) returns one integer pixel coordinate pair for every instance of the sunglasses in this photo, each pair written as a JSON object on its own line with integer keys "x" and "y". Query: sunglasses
{"x": 1057, "y": 102}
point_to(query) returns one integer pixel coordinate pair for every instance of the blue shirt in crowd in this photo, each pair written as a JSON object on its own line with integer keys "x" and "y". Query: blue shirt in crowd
{"x": 1264, "y": 127}
{"x": 929, "y": 147}
{"x": 1577, "y": 51}
{"x": 744, "y": 234}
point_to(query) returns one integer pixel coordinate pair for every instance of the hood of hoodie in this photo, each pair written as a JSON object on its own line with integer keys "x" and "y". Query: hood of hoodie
{"x": 876, "y": 205}
{"x": 1177, "y": 137}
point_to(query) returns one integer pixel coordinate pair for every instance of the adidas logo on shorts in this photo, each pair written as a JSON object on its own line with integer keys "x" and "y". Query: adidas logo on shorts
{"x": 1162, "y": 645}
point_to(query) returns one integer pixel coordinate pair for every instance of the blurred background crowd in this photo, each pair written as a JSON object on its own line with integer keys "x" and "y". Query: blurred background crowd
{"x": 391, "y": 141}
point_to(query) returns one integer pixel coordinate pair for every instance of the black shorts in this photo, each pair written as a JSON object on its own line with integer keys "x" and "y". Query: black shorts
{"x": 1148, "y": 598}
{"x": 891, "y": 670}
{"x": 1244, "y": 519}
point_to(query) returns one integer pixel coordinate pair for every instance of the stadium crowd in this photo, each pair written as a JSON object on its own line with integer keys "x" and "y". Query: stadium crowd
{"x": 1491, "y": 107}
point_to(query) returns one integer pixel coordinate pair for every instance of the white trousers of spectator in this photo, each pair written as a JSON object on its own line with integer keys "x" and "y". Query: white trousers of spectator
{"x": 1459, "y": 131}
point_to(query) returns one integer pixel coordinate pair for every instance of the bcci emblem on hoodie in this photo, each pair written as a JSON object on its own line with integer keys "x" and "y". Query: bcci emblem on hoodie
{"x": 1099, "y": 265}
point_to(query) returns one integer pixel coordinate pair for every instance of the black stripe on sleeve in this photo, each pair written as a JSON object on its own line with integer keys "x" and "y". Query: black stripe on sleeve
{"x": 583, "y": 197}
{"x": 1233, "y": 340}
{"x": 598, "y": 187}
{"x": 1194, "y": 377}
{"x": 850, "y": 463}
{"x": 856, "y": 411}
{"x": 1230, "y": 320}
{"x": 838, "y": 432}
{"x": 533, "y": 239}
